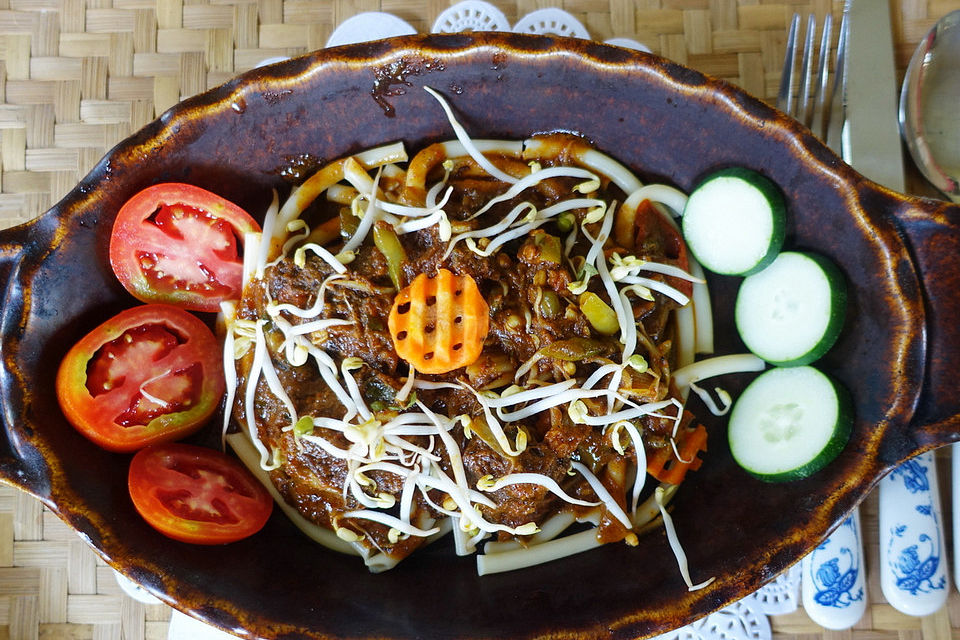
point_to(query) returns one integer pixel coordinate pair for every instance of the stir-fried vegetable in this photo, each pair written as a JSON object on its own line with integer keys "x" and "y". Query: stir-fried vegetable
{"x": 389, "y": 245}
{"x": 601, "y": 316}
{"x": 574, "y": 349}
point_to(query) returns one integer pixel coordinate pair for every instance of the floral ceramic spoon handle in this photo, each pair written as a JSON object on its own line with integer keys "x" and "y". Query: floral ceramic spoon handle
{"x": 833, "y": 585}
{"x": 955, "y": 483}
{"x": 913, "y": 572}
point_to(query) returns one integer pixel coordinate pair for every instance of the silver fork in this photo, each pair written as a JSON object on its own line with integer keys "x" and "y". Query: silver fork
{"x": 819, "y": 104}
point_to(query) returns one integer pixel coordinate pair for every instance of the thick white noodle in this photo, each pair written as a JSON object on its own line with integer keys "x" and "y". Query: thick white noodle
{"x": 301, "y": 197}
{"x": 672, "y": 198}
{"x": 717, "y": 366}
{"x": 269, "y": 236}
{"x": 686, "y": 335}
{"x": 455, "y": 148}
{"x": 250, "y": 458}
{"x": 341, "y": 194}
{"x": 382, "y": 562}
{"x": 488, "y": 563}
{"x": 702, "y": 309}
{"x": 596, "y": 160}
{"x": 250, "y": 239}
{"x": 553, "y": 527}
{"x": 228, "y": 313}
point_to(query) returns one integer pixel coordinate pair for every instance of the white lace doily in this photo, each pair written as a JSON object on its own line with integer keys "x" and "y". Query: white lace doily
{"x": 742, "y": 620}
{"x": 782, "y": 595}
{"x": 746, "y": 619}
{"x": 471, "y": 15}
{"x": 628, "y": 43}
{"x": 134, "y": 590}
{"x": 552, "y": 22}
{"x": 372, "y": 25}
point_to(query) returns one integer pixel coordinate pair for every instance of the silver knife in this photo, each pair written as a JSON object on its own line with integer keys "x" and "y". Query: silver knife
{"x": 912, "y": 541}
{"x": 871, "y": 135}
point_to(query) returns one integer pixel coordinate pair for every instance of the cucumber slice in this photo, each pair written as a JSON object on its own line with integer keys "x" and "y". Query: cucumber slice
{"x": 791, "y": 313}
{"x": 789, "y": 423}
{"x": 734, "y": 222}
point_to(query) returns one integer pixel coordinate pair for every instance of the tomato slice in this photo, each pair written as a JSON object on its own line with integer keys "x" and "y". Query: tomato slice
{"x": 199, "y": 495}
{"x": 149, "y": 374}
{"x": 179, "y": 244}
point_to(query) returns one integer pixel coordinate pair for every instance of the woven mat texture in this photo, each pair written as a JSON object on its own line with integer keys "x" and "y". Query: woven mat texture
{"x": 78, "y": 76}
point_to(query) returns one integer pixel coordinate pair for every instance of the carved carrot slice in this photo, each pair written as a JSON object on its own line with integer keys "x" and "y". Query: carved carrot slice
{"x": 664, "y": 464}
{"x": 439, "y": 324}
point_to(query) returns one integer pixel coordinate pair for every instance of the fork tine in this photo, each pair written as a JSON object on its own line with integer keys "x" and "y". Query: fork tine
{"x": 819, "y": 105}
{"x": 834, "y": 115}
{"x": 803, "y": 104}
{"x": 821, "y": 98}
{"x": 785, "y": 94}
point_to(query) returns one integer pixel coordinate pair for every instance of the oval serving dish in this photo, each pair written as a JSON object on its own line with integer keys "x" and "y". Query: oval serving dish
{"x": 896, "y": 353}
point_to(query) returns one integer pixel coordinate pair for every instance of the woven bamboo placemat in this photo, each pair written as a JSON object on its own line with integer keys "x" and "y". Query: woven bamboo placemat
{"x": 77, "y": 76}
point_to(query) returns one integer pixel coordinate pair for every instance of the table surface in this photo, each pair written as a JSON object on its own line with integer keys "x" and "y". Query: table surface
{"x": 78, "y": 76}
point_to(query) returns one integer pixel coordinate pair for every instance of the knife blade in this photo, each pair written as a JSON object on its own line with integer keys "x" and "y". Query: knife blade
{"x": 871, "y": 134}
{"x": 912, "y": 541}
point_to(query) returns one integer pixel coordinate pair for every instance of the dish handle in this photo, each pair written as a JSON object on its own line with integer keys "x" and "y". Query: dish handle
{"x": 14, "y": 464}
{"x": 932, "y": 231}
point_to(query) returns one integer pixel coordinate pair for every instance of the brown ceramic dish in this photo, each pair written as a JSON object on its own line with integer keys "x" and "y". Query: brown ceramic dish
{"x": 898, "y": 353}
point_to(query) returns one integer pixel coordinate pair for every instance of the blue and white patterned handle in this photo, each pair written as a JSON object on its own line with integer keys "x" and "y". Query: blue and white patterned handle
{"x": 913, "y": 571}
{"x": 955, "y": 483}
{"x": 833, "y": 586}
